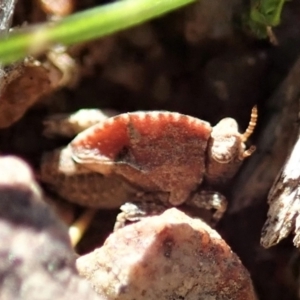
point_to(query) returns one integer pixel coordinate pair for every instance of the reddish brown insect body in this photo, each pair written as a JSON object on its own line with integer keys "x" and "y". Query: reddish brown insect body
{"x": 161, "y": 151}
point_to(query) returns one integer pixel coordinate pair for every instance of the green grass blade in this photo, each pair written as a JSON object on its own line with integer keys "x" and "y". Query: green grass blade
{"x": 83, "y": 26}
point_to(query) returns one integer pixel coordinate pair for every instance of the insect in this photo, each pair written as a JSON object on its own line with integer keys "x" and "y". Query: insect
{"x": 155, "y": 152}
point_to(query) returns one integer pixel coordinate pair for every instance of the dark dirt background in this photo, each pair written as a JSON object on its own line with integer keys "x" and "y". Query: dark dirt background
{"x": 197, "y": 61}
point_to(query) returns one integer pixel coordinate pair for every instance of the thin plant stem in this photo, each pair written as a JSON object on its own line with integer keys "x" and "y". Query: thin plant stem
{"x": 82, "y": 26}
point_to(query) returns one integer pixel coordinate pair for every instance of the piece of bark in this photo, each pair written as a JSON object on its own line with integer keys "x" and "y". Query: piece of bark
{"x": 7, "y": 9}
{"x": 37, "y": 261}
{"x": 284, "y": 201}
{"x": 170, "y": 256}
{"x": 274, "y": 143}
{"x": 6, "y": 12}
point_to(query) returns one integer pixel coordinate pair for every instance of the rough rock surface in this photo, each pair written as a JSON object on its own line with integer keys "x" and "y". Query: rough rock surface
{"x": 37, "y": 261}
{"x": 166, "y": 257}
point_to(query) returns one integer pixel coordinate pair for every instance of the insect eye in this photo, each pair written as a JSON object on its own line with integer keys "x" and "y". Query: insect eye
{"x": 223, "y": 149}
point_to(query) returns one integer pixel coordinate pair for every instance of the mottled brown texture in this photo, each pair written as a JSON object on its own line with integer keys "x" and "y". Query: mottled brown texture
{"x": 159, "y": 151}
{"x": 205, "y": 75}
{"x": 22, "y": 86}
{"x": 166, "y": 257}
{"x": 162, "y": 151}
{"x": 224, "y": 152}
{"x": 80, "y": 185}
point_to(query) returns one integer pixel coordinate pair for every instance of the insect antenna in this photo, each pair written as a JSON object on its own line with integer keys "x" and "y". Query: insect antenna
{"x": 252, "y": 124}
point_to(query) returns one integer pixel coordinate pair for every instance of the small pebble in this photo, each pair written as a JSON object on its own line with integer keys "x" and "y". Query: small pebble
{"x": 170, "y": 256}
